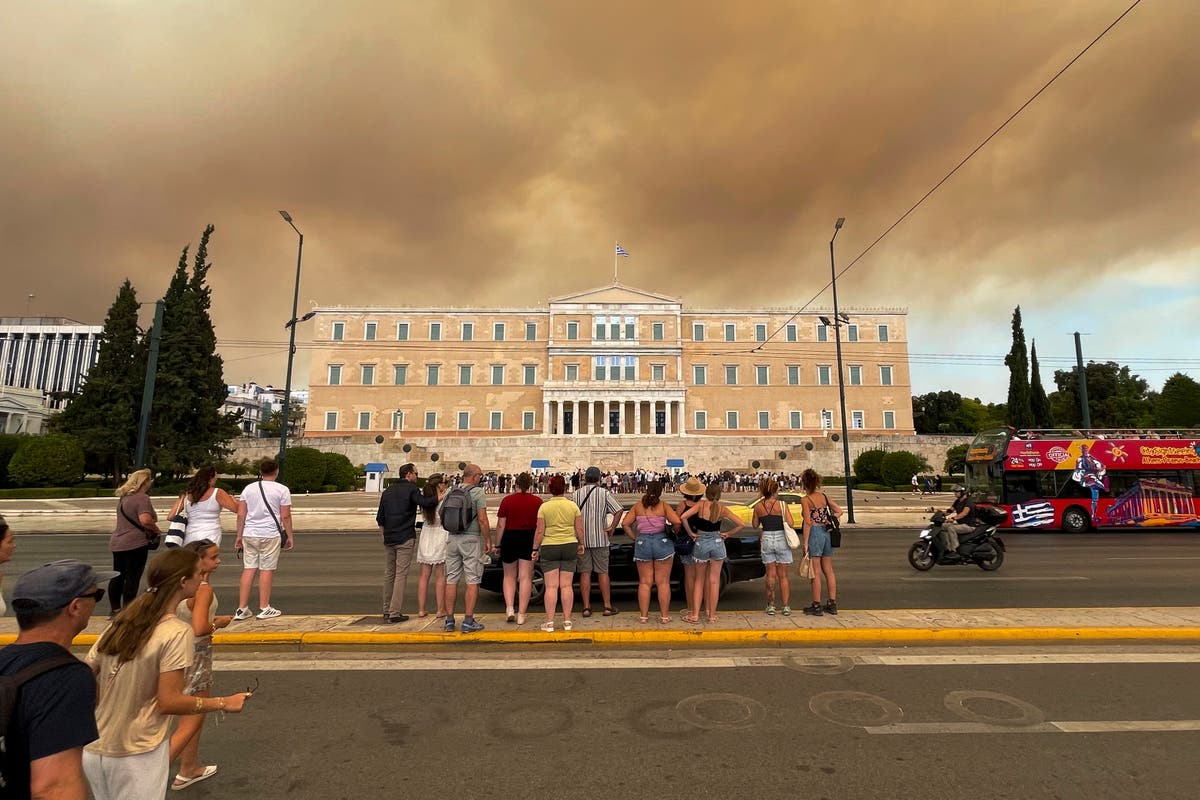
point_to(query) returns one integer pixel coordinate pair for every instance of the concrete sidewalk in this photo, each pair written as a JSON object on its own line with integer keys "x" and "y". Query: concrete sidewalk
{"x": 315, "y": 633}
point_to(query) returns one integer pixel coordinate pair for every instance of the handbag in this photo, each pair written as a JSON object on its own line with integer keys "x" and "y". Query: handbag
{"x": 153, "y": 540}
{"x": 789, "y": 533}
{"x": 283, "y": 536}
{"x": 834, "y": 527}
{"x": 805, "y": 568}
{"x": 177, "y": 527}
{"x": 684, "y": 544}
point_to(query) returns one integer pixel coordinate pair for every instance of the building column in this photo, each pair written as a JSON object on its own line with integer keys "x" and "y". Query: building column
{"x": 604, "y": 419}
{"x": 545, "y": 418}
{"x": 637, "y": 417}
{"x": 683, "y": 417}
{"x": 667, "y": 412}
{"x": 561, "y": 409}
{"x": 621, "y": 416}
{"x": 581, "y": 417}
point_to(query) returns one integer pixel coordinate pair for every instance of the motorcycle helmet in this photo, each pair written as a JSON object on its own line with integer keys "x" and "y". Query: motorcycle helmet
{"x": 960, "y": 489}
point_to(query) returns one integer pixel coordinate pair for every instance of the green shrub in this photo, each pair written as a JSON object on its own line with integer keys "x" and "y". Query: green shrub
{"x": 53, "y": 492}
{"x": 869, "y": 466}
{"x": 9, "y": 442}
{"x": 304, "y": 469}
{"x": 51, "y": 460}
{"x": 328, "y": 487}
{"x": 873, "y": 487}
{"x": 339, "y": 472}
{"x": 956, "y": 459}
{"x": 901, "y": 465}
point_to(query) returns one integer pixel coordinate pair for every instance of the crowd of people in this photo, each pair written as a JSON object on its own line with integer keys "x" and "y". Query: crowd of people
{"x": 636, "y": 481}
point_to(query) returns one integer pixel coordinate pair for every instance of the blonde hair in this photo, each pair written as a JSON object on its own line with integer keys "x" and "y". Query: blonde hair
{"x": 137, "y": 480}
{"x": 713, "y": 495}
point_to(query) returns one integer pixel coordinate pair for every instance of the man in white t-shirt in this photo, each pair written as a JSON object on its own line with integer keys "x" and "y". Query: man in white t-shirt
{"x": 264, "y": 526}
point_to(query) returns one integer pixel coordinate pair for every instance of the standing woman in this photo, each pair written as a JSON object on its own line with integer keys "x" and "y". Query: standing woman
{"x": 130, "y": 542}
{"x": 692, "y": 491}
{"x": 139, "y": 662}
{"x": 431, "y": 548}
{"x": 705, "y": 528}
{"x": 817, "y": 510}
{"x": 653, "y": 550}
{"x": 557, "y": 544}
{"x": 7, "y": 545}
{"x": 518, "y": 516}
{"x": 201, "y": 613}
{"x": 776, "y": 555}
{"x": 202, "y": 502}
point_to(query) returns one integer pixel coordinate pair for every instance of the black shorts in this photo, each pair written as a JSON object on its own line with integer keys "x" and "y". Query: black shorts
{"x": 516, "y": 546}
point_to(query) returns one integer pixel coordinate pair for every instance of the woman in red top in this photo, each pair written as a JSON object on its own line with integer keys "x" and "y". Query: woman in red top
{"x": 514, "y": 540}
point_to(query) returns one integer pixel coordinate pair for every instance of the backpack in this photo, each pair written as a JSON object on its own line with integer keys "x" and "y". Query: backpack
{"x": 458, "y": 510}
{"x": 10, "y": 691}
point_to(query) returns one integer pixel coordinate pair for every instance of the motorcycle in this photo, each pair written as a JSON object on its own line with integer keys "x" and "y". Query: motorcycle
{"x": 982, "y": 547}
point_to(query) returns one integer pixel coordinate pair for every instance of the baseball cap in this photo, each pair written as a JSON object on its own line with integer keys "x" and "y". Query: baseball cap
{"x": 592, "y": 474}
{"x": 55, "y": 585}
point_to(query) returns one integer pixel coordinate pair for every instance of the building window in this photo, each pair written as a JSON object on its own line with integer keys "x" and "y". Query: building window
{"x": 530, "y": 331}
{"x": 464, "y": 420}
{"x": 369, "y": 331}
{"x": 791, "y": 332}
{"x": 431, "y": 420}
{"x": 856, "y": 420}
{"x": 699, "y": 374}
{"x": 468, "y": 331}
{"x": 764, "y": 420}
{"x": 601, "y": 328}
{"x": 572, "y": 372}
{"x": 497, "y": 375}
{"x": 731, "y": 420}
{"x": 339, "y": 331}
{"x": 498, "y": 331}
{"x": 823, "y": 372}
{"x": 331, "y": 420}
{"x": 397, "y": 420}
{"x": 760, "y": 332}
{"x": 761, "y": 375}
{"x": 527, "y": 420}
{"x": 889, "y": 420}
{"x": 697, "y": 331}
{"x": 368, "y": 374}
{"x": 855, "y": 375}
{"x": 793, "y": 375}
{"x": 630, "y": 368}
{"x": 435, "y": 331}
{"x": 530, "y": 376}
{"x": 400, "y": 374}
{"x": 658, "y": 372}
{"x": 432, "y": 373}
{"x": 464, "y": 374}
{"x": 630, "y": 328}
{"x": 885, "y": 376}
{"x": 701, "y": 420}
{"x": 656, "y": 331}
{"x": 827, "y": 418}
{"x": 401, "y": 331}
{"x": 883, "y": 333}
{"x": 730, "y": 375}
{"x": 364, "y": 420}
{"x": 572, "y": 331}
{"x": 599, "y": 368}
{"x": 335, "y": 374}
{"x": 730, "y": 332}
{"x": 795, "y": 420}
{"x": 614, "y": 328}
{"x": 822, "y": 333}
{"x": 851, "y": 333}
{"x": 495, "y": 419}
{"x": 614, "y": 368}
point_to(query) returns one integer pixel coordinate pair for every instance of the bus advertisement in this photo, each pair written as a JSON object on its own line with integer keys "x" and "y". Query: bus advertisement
{"x": 1054, "y": 479}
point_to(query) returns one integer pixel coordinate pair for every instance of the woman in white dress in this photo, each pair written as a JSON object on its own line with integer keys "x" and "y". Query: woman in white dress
{"x": 431, "y": 548}
{"x": 202, "y": 503}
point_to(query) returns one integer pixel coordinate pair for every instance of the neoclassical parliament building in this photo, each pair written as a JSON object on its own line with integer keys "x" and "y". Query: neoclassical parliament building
{"x": 606, "y": 364}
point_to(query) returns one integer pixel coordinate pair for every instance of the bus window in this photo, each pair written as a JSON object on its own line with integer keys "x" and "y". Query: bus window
{"x": 1020, "y": 487}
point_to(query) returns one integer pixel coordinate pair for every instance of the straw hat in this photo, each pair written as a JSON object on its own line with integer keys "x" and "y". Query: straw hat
{"x": 693, "y": 487}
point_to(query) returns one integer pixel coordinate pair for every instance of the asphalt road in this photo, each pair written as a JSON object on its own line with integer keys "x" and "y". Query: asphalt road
{"x": 766, "y": 724}
{"x": 342, "y": 573}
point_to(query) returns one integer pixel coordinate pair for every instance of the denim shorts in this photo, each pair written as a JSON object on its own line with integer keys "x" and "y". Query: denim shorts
{"x": 653, "y": 547}
{"x": 709, "y": 548}
{"x": 818, "y": 542}
{"x": 775, "y": 548}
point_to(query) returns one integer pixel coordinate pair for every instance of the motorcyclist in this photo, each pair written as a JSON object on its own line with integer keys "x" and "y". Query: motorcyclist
{"x": 960, "y": 520}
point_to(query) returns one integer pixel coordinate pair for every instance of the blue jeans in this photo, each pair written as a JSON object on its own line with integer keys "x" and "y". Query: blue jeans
{"x": 818, "y": 542}
{"x": 653, "y": 547}
{"x": 709, "y": 548}
{"x": 775, "y": 548}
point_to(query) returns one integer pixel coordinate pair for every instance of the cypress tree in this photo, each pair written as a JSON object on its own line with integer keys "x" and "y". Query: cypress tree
{"x": 1039, "y": 403}
{"x": 1020, "y": 412}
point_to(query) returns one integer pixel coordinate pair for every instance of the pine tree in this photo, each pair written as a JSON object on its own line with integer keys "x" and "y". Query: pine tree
{"x": 1039, "y": 403}
{"x": 1020, "y": 413}
{"x": 104, "y": 415}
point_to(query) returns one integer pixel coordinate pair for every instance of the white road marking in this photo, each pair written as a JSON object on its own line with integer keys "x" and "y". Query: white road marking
{"x": 1097, "y": 726}
{"x": 1152, "y": 558}
{"x": 989, "y": 578}
{"x": 1004, "y": 659}
{"x": 1129, "y": 726}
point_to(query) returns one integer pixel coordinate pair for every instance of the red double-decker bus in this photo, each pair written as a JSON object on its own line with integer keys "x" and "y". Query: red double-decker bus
{"x": 1080, "y": 480}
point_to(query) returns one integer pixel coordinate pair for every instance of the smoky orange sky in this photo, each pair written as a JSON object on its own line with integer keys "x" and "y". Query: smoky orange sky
{"x": 491, "y": 152}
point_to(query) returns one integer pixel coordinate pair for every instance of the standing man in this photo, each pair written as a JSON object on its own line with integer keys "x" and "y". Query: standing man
{"x": 55, "y": 711}
{"x": 264, "y": 526}
{"x": 396, "y": 518}
{"x": 465, "y": 518}
{"x": 596, "y": 504}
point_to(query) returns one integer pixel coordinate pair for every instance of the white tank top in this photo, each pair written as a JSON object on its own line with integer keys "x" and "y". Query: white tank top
{"x": 204, "y": 520}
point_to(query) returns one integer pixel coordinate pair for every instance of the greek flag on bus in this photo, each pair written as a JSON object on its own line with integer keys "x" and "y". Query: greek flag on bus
{"x": 1033, "y": 515}
{"x": 621, "y": 251}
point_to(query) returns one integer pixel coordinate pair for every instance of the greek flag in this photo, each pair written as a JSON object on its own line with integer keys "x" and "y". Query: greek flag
{"x": 621, "y": 251}
{"x": 1033, "y": 515}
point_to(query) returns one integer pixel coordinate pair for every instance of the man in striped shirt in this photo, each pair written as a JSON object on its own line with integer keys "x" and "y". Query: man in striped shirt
{"x": 596, "y": 504}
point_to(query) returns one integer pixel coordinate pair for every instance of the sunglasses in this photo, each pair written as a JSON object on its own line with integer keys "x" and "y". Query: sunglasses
{"x": 96, "y": 595}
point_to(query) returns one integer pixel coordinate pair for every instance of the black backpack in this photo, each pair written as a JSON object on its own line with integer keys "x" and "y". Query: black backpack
{"x": 10, "y": 691}
{"x": 458, "y": 510}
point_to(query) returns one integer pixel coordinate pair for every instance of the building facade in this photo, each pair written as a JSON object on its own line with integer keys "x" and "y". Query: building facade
{"x": 47, "y": 354}
{"x": 610, "y": 362}
{"x": 257, "y": 403}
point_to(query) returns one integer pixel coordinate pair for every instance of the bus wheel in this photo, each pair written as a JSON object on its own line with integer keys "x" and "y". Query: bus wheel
{"x": 1076, "y": 520}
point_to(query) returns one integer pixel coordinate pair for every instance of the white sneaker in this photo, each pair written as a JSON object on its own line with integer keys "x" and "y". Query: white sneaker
{"x": 242, "y": 614}
{"x": 269, "y": 613}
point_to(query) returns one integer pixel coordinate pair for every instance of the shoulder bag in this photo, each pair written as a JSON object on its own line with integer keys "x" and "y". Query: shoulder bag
{"x": 835, "y": 525}
{"x": 177, "y": 529}
{"x": 789, "y": 533}
{"x": 153, "y": 540}
{"x": 283, "y": 535}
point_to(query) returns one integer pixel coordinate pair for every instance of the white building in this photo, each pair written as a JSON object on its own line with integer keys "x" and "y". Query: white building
{"x": 258, "y": 403}
{"x": 47, "y": 354}
{"x": 23, "y": 410}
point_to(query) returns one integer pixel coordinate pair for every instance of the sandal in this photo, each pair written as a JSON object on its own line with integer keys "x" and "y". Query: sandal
{"x": 712, "y": 618}
{"x": 182, "y": 781}
{"x": 665, "y": 620}
{"x": 609, "y": 611}
{"x": 546, "y": 627}
{"x": 643, "y": 620}
{"x": 690, "y": 620}
{"x": 587, "y": 612}
{"x": 567, "y": 625}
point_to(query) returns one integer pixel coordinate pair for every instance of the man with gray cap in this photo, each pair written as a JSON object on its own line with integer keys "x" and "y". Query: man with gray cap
{"x": 595, "y": 504}
{"x": 55, "y": 711}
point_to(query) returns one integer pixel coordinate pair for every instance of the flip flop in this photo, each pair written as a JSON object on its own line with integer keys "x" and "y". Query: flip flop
{"x": 182, "y": 782}
{"x": 609, "y": 611}
{"x": 690, "y": 620}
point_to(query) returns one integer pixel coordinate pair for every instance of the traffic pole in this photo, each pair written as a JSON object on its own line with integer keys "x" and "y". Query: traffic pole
{"x": 148, "y": 388}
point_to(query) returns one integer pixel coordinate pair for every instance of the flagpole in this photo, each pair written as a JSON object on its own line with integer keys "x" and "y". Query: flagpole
{"x": 615, "y": 262}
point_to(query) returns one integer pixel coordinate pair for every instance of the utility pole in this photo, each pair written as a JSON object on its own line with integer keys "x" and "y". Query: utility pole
{"x": 837, "y": 332}
{"x": 148, "y": 388}
{"x": 1082, "y": 376}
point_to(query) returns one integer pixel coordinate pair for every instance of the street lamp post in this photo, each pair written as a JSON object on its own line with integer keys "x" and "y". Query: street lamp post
{"x": 287, "y": 386}
{"x": 837, "y": 334}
